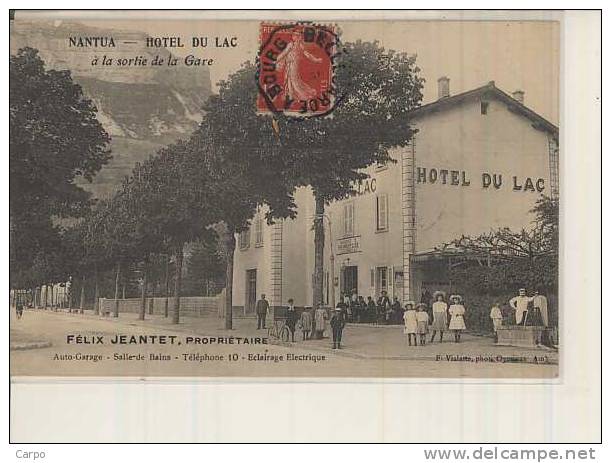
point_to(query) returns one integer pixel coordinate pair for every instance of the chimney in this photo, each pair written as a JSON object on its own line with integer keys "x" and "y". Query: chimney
{"x": 443, "y": 86}
{"x": 518, "y": 95}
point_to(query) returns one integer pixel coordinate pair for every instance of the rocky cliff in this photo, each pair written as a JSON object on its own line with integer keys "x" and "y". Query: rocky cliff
{"x": 142, "y": 108}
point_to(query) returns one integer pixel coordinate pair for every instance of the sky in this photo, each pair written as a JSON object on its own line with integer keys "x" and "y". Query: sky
{"x": 521, "y": 55}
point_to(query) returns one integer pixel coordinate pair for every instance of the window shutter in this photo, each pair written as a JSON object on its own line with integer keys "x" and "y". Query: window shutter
{"x": 349, "y": 219}
{"x": 259, "y": 231}
{"x": 381, "y": 212}
{"x": 384, "y": 211}
{"x": 390, "y": 277}
{"x": 345, "y": 219}
{"x": 373, "y": 281}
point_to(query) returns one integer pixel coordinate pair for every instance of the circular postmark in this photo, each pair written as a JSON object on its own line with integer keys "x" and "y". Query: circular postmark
{"x": 296, "y": 69}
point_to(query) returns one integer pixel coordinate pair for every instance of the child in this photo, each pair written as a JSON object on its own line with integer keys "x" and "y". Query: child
{"x": 440, "y": 315}
{"x": 305, "y": 323}
{"x": 457, "y": 313}
{"x": 423, "y": 322}
{"x": 497, "y": 319}
{"x": 411, "y": 322}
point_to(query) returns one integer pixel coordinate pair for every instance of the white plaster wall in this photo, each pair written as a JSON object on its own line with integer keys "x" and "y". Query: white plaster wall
{"x": 462, "y": 139}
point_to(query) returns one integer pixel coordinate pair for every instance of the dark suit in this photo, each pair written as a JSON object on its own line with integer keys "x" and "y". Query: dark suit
{"x": 261, "y": 309}
{"x": 291, "y": 320}
{"x": 338, "y": 321}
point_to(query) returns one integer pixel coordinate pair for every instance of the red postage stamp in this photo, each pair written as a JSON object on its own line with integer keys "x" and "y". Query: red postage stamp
{"x": 296, "y": 69}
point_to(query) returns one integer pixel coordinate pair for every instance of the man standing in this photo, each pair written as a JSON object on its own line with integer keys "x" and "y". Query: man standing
{"x": 396, "y": 311}
{"x": 354, "y": 306}
{"x": 291, "y": 318}
{"x": 261, "y": 308}
{"x": 520, "y": 305}
{"x": 540, "y": 302}
{"x": 370, "y": 310}
{"x": 337, "y": 326}
{"x": 426, "y": 297}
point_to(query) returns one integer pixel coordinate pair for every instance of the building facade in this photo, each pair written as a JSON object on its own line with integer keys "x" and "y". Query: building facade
{"x": 478, "y": 162}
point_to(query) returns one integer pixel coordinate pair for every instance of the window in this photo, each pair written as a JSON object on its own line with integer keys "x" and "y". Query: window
{"x": 382, "y": 212}
{"x": 484, "y": 108}
{"x": 349, "y": 219}
{"x": 258, "y": 231}
{"x": 381, "y": 280}
{"x": 244, "y": 239}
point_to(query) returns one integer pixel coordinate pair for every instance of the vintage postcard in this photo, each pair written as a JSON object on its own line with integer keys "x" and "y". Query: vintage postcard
{"x": 284, "y": 198}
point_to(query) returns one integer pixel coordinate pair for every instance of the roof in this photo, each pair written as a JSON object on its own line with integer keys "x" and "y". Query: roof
{"x": 488, "y": 91}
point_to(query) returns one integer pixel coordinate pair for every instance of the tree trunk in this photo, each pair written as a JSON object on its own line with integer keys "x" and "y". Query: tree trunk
{"x": 167, "y": 286}
{"x": 46, "y": 301}
{"x": 117, "y": 281}
{"x": 96, "y": 292}
{"x": 177, "y": 284}
{"x": 123, "y": 291}
{"x": 230, "y": 249}
{"x": 152, "y": 300}
{"x": 143, "y": 294}
{"x": 82, "y": 301}
{"x": 68, "y": 296}
{"x": 53, "y": 305}
{"x": 319, "y": 252}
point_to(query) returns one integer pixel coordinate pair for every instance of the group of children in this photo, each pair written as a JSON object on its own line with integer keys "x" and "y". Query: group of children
{"x": 416, "y": 319}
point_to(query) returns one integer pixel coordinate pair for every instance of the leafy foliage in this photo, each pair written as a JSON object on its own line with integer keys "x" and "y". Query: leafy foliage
{"x": 264, "y": 165}
{"x": 54, "y": 138}
{"x": 205, "y": 267}
{"x": 498, "y": 263}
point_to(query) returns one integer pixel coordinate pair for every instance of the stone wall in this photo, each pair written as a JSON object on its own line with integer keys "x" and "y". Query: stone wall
{"x": 189, "y": 306}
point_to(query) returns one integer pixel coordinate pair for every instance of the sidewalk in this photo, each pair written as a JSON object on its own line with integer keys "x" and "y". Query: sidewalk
{"x": 359, "y": 341}
{"x": 21, "y": 339}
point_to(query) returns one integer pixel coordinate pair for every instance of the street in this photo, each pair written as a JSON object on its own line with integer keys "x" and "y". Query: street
{"x": 368, "y": 352}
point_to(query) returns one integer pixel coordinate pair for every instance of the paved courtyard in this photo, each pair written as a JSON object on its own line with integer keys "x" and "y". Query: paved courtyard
{"x": 39, "y": 347}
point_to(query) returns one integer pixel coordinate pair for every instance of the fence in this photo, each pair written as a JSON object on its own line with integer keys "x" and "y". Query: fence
{"x": 189, "y": 306}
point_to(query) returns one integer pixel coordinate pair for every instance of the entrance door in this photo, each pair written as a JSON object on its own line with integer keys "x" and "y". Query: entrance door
{"x": 350, "y": 279}
{"x": 251, "y": 290}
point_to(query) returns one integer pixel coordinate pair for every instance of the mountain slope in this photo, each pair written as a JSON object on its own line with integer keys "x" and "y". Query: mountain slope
{"x": 142, "y": 108}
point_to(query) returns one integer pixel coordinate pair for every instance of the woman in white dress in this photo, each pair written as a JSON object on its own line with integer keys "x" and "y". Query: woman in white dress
{"x": 457, "y": 313}
{"x": 440, "y": 315}
{"x": 411, "y": 322}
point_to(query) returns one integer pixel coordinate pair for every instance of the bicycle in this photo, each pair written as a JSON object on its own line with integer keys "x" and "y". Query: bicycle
{"x": 279, "y": 330}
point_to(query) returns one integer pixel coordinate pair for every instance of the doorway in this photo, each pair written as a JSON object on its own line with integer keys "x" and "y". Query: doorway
{"x": 349, "y": 280}
{"x": 251, "y": 290}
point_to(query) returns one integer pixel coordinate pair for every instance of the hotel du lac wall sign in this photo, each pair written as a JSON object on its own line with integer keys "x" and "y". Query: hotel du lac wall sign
{"x": 460, "y": 178}
{"x": 487, "y": 180}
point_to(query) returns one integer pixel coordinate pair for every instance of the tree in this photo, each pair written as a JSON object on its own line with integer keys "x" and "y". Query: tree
{"x": 205, "y": 266}
{"x": 243, "y": 162}
{"x": 377, "y": 89}
{"x": 179, "y": 206}
{"x": 507, "y": 260}
{"x": 97, "y": 258}
{"x": 54, "y": 138}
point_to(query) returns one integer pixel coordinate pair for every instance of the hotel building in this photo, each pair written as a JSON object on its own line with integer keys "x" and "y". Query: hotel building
{"x": 479, "y": 161}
